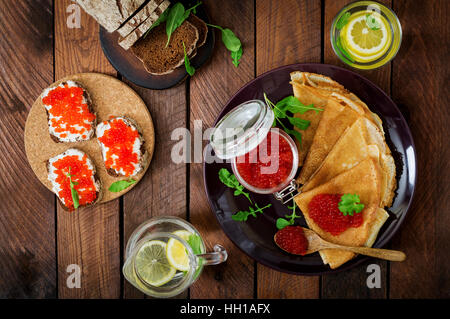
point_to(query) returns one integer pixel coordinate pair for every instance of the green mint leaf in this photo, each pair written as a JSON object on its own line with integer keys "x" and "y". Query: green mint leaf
{"x": 350, "y": 204}
{"x": 120, "y": 185}
{"x": 196, "y": 244}
{"x": 372, "y": 22}
{"x": 343, "y": 20}
{"x": 281, "y": 223}
{"x": 236, "y": 56}
{"x": 174, "y": 19}
{"x": 187, "y": 64}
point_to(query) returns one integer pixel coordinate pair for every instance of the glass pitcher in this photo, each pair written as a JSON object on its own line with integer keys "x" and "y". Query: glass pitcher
{"x": 165, "y": 256}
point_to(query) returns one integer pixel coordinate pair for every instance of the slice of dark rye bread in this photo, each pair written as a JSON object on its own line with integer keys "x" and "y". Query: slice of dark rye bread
{"x": 88, "y": 100}
{"x": 139, "y": 17}
{"x": 159, "y": 59}
{"x": 110, "y": 13}
{"x": 97, "y": 180}
{"x": 144, "y": 159}
{"x": 202, "y": 29}
{"x": 136, "y": 34}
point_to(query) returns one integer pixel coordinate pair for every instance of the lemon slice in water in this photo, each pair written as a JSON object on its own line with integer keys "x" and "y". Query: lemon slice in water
{"x": 176, "y": 253}
{"x": 151, "y": 264}
{"x": 363, "y": 42}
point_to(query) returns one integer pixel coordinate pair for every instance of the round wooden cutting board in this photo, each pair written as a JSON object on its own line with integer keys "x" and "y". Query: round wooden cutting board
{"x": 110, "y": 97}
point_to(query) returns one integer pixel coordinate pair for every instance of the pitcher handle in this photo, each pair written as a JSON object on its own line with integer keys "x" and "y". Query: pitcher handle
{"x": 219, "y": 256}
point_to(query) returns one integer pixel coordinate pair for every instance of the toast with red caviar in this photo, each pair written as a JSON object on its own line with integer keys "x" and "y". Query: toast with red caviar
{"x": 70, "y": 115}
{"x": 123, "y": 146}
{"x": 76, "y": 167}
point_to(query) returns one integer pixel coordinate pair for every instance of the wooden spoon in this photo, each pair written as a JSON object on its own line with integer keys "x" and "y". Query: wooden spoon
{"x": 316, "y": 243}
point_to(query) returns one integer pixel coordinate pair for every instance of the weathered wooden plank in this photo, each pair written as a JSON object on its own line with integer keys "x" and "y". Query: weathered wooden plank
{"x": 210, "y": 88}
{"x": 352, "y": 283}
{"x": 286, "y": 32}
{"x": 89, "y": 237}
{"x": 420, "y": 87}
{"x": 27, "y": 220}
{"x": 162, "y": 191}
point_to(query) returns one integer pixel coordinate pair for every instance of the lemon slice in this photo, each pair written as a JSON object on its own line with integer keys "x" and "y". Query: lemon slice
{"x": 151, "y": 264}
{"x": 176, "y": 253}
{"x": 365, "y": 43}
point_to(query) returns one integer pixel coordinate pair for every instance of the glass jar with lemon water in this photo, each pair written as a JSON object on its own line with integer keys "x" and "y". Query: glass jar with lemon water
{"x": 165, "y": 255}
{"x": 366, "y": 34}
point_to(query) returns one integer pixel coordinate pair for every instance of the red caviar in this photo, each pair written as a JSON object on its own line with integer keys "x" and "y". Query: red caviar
{"x": 69, "y": 113}
{"x": 81, "y": 176}
{"x": 252, "y": 165}
{"x": 119, "y": 139}
{"x": 292, "y": 239}
{"x": 324, "y": 211}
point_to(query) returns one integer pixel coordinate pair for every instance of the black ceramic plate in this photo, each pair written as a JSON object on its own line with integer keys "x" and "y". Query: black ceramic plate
{"x": 127, "y": 64}
{"x": 255, "y": 237}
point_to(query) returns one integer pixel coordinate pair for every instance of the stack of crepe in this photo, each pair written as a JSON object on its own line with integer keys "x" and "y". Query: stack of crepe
{"x": 343, "y": 151}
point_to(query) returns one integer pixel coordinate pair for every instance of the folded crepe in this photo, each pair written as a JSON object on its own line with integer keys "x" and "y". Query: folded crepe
{"x": 365, "y": 180}
{"x": 358, "y": 142}
{"x": 316, "y": 89}
{"x": 311, "y": 88}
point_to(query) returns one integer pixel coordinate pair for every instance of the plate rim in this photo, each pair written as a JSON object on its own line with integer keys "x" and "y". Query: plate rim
{"x": 359, "y": 259}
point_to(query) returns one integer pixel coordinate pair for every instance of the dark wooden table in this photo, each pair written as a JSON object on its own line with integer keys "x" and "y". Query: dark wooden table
{"x": 38, "y": 240}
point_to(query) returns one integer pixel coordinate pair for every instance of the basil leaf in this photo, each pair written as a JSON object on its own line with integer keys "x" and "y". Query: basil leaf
{"x": 281, "y": 223}
{"x": 236, "y": 56}
{"x": 174, "y": 19}
{"x": 120, "y": 185}
{"x": 343, "y": 20}
{"x": 187, "y": 64}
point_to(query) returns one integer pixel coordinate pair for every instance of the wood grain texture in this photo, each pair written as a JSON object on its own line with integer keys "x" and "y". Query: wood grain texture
{"x": 27, "y": 236}
{"x": 162, "y": 191}
{"x": 210, "y": 88}
{"x": 352, "y": 283}
{"x": 420, "y": 87}
{"x": 90, "y": 236}
{"x": 286, "y": 32}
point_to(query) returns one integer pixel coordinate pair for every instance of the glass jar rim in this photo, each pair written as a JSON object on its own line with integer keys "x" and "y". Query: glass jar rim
{"x": 286, "y": 182}
{"x": 230, "y": 140}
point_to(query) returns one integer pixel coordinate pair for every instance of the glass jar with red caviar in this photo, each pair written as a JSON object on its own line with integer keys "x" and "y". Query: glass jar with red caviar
{"x": 264, "y": 159}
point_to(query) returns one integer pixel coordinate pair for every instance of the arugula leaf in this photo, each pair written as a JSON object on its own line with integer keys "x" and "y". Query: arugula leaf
{"x": 349, "y": 204}
{"x": 372, "y": 23}
{"x": 187, "y": 64}
{"x": 120, "y": 185}
{"x": 290, "y": 219}
{"x": 176, "y": 16}
{"x": 196, "y": 243}
{"x": 231, "y": 42}
{"x": 174, "y": 19}
{"x": 236, "y": 56}
{"x": 343, "y": 20}
{"x": 281, "y": 223}
{"x": 162, "y": 18}
{"x": 73, "y": 191}
{"x": 242, "y": 216}
{"x": 231, "y": 181}
{"x": 293, "y": 105}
